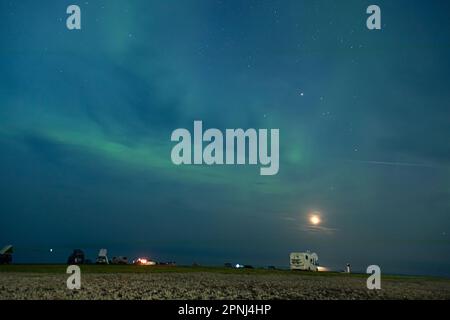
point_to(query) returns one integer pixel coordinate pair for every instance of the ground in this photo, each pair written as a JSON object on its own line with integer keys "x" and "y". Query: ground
{"x": 138, "y": 282}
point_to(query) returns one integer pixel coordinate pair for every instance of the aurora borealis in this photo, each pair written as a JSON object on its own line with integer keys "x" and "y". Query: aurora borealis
{"x": 364, "y": 119}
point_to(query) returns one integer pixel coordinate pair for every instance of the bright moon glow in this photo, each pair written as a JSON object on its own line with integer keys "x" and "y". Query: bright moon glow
{"x": 314, "y": 219}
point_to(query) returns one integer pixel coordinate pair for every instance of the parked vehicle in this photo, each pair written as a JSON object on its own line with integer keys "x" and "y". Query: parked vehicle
{"x": 119, "y": 260}
{"x": 77, "y": 257}
{"x": 168, "y": 263}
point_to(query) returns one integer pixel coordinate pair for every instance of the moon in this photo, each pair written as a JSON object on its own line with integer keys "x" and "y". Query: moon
{"x": 314, "y": 218}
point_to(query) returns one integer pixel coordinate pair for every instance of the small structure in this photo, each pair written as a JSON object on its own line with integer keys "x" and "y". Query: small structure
{"x": 307, "y": 261}
{"x": 102, "y": 257}
{"x": 6, "y": 254}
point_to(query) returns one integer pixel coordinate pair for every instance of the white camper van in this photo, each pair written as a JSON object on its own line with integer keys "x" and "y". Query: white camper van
{"x": 308, "y": 261}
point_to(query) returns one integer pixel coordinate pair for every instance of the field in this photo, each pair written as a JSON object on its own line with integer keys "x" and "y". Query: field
{"x": 155, "y": 282}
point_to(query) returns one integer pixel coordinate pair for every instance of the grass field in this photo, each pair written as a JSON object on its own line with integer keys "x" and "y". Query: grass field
{"x": 170, "y": 282}
{"x": 93, "y": 268}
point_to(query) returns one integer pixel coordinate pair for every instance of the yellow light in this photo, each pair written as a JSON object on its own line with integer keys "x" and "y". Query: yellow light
{"x": 314, "y": 219}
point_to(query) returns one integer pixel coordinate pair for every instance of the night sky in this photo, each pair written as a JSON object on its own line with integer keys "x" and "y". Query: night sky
{"x": 364, "y": 117}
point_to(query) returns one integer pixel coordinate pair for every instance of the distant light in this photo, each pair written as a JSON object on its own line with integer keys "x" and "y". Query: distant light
{"x": 144, "y": 262}
{"x": 314, "y": 219}
{"x": 51, "y": 250}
